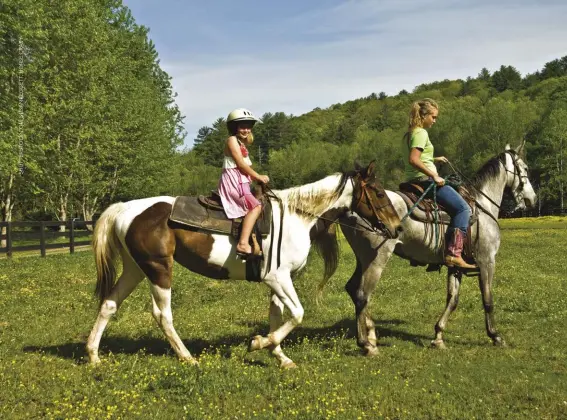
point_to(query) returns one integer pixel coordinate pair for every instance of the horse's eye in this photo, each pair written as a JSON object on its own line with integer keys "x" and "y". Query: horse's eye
{"x": 380, "y": 195}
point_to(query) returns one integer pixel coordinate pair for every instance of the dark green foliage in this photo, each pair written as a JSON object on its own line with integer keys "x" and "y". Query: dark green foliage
{"x": 478, "y": 117}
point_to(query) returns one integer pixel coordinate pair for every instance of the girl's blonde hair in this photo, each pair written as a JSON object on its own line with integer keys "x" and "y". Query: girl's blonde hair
{"x": 233, "y": 130}
{"x": 420, "y": 110}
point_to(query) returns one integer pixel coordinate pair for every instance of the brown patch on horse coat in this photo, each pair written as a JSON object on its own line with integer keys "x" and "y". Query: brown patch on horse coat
{"x": 155, "y": 243}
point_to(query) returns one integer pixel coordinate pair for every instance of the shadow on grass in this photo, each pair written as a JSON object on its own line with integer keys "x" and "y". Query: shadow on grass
{"x": 224, "y": 345}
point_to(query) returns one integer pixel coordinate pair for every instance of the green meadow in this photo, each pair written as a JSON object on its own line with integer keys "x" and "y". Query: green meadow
{"x": 47, "y": 310}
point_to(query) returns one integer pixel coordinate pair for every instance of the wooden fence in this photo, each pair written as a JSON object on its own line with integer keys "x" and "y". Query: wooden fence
{"x": 43, "y": 236}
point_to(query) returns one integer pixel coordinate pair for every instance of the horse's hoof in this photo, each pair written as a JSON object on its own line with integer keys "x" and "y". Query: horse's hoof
{"x": 371, "y": 351}
{"x": 256, "y": 343}
{"x": 94, "y": 360}
{"x": 499, "y": 342}
{"x": 438, "y": 344}
{"x": 288, "y": 364}
{"x": 190, "y": 361}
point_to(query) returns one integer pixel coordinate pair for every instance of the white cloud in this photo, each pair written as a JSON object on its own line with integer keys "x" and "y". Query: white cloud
{"x": 370, "y": 47}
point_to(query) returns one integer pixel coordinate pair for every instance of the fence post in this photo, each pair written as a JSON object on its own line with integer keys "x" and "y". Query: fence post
{"x": 9, "y": 240}
{"x": 42, "y": 238}
{"x": 72, "y": 236}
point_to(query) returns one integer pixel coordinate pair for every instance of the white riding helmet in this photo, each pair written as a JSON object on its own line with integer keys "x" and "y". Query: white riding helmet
{"x": 241, "y": 114}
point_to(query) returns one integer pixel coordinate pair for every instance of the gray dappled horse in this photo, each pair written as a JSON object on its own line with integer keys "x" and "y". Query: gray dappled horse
{"x": 140, "y": 234}
{"x": 507, "y": 170}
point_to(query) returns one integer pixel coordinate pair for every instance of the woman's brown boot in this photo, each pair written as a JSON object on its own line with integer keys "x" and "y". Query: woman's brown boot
{"x": 455, "y": 244}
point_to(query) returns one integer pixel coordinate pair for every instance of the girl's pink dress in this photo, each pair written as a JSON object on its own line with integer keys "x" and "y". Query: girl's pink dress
{"x": 234, "y": 187}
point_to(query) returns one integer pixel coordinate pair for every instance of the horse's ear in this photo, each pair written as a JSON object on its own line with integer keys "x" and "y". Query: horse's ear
{"x": 521, "y": 148}
{"x": 370, "y": 169}
{"x": 507, "y": 147}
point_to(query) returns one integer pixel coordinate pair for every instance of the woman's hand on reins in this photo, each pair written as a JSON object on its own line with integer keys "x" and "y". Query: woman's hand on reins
{"x": 439, "y": 181}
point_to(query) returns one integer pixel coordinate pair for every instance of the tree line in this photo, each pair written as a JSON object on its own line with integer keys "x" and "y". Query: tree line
{"x": 88, "y": 117}
{"x": 478, "y": 117}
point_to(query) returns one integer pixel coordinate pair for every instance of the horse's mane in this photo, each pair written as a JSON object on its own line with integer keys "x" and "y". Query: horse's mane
{"x": 490, "y": 169}
{"x": 314, "y": 198}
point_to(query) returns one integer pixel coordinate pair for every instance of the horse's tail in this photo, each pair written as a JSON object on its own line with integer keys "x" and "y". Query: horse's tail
{"x": 106, "y": 248}
{"x": 327, "y": 246}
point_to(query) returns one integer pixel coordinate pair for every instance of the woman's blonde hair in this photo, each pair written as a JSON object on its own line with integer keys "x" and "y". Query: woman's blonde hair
{"x": 420, "y": 110}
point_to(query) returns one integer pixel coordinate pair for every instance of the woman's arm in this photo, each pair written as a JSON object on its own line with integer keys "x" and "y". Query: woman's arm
{"x": 233, "y": 149}
{"x": 415, "y": 161}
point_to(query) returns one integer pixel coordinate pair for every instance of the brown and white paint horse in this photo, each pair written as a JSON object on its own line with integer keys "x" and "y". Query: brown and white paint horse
{"x": 140, "y": 232}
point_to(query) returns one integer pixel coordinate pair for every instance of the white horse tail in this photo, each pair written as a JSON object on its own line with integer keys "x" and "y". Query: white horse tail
{"x": 106, "y": 248}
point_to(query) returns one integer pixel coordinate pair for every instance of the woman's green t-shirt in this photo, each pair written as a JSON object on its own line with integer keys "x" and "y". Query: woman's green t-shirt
{"x": 419, "y": 139}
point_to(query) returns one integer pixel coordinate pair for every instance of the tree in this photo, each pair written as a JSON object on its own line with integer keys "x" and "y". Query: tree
{"x": 507, "y": 77}
{"x": 20, "y": 33}
{"x": 555, "y": 68}
{"x": 554, "y": 162}
{"x": 484, "y": 75}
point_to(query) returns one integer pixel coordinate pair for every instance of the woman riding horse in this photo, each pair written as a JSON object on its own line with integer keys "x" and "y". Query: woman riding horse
{"x": 420, "y": 169}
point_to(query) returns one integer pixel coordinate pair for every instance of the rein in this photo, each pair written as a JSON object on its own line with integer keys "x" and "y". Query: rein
{"x": 268, "y": 192}
{"x": 516, "y": 172}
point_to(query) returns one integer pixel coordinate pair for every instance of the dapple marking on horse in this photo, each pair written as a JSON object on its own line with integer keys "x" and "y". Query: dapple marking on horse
{"x": 140, "y": 233}
{"x": 507, "y": 170}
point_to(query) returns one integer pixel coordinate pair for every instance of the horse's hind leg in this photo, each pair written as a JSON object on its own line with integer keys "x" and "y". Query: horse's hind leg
{"x": 130, "y": 278}
{"x": 276, "y": 321}
{"x": 453, "y": 286}
{"x": 485, "y": 284}
{"x": 161, "y": 303}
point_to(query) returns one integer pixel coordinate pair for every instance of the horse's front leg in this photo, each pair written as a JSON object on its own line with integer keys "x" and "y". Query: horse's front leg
{"x": 276, "y": 321}
{"x": 485, "y": 283}
{"x": 453, "y": 286}
{"x": 372, "y": 254}
{"x": 365, "y": 328}
{"x": 282, "y": 287}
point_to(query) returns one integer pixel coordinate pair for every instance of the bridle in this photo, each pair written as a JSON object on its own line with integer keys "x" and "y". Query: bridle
{"x": 364, "y": 194}
{"x": 518, "y": 196}
{"x": 519, "y": 191}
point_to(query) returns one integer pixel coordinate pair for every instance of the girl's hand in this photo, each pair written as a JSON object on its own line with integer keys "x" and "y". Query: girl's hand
{"x": 441, "y": 159}
{"x": 439, "y": 181}
{"x": 264, "y": 179}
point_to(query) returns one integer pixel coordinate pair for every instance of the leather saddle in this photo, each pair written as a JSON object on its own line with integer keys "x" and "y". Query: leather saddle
{"x": 207, "y": 214}
{"x": 425, "y": 210}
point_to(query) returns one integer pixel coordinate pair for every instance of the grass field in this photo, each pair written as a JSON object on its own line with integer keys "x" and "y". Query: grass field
{"x": 47, "y": 311}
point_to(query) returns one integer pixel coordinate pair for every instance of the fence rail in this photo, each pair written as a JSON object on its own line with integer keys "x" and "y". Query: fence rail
{"x": 13, "y": 234}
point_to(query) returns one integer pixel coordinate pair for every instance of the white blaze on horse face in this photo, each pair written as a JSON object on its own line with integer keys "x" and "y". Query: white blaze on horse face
{"x": 530, "y": 197}
{"x": 517, "y": 172}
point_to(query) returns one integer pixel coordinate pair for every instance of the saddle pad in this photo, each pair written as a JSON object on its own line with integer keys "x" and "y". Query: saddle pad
{"x": 421, "y": 215}
{"x": 189, "y": 211}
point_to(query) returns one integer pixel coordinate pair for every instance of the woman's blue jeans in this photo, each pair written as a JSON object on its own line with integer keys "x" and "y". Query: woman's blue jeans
{"x": 454, "y": 204}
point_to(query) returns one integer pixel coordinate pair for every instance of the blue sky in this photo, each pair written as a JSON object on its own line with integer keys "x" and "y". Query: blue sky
{"x": 296, "y": 55}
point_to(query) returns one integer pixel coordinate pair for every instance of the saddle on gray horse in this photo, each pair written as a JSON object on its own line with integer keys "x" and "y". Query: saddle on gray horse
{"x": 207, "y": 214}
{"x": 425, "y": 210}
